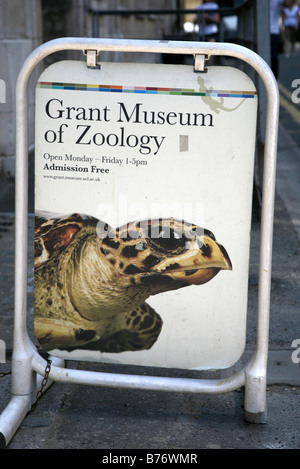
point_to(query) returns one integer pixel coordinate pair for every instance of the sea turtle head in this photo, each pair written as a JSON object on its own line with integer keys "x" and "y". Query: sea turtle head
{"x": 164, "y": 254}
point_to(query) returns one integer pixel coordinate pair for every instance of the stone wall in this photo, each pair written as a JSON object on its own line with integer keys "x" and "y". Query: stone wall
{"x": 20, "y": 33}
{"x": 87, "y": 18}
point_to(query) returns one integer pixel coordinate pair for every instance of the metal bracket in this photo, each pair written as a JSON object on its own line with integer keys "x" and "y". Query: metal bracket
{"x": 200, "y": 63}
{"x": 91, "y": 59}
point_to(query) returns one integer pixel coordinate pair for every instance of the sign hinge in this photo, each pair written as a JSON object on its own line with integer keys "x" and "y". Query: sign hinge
{"x": 200, "y": 63}
{"x": 91, "y": 59}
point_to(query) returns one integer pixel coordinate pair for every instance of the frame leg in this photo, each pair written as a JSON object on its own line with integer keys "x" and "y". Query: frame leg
{"x": 12, "y": 417}
{"x": 19, "y": 406}
{"x": 255, "y": 400}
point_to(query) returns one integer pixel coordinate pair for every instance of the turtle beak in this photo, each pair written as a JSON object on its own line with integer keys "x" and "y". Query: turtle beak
{"x": 203, "y": 260}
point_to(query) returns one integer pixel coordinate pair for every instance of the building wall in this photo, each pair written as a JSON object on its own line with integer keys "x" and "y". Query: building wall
{"x": 20, "y": 33}
{"x": 152, "y": 26}
{"x": 86, "y": 18}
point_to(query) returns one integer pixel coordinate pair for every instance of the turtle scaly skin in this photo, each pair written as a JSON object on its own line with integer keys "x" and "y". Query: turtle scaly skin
{"x": 91, "y": 281}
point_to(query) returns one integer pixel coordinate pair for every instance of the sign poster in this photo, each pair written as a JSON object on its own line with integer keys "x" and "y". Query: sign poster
{"x": 143, "y": 195}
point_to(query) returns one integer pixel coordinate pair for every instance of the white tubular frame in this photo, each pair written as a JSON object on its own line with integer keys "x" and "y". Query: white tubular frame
{"x": 26, "y": 361}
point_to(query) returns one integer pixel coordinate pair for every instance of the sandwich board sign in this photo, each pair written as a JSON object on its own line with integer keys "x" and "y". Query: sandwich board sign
{"x": 143, "y": 196}
{"x": 143, "y": 189}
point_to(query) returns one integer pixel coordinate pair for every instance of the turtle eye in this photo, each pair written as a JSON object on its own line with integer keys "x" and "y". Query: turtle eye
{"x": 170, "y": 240}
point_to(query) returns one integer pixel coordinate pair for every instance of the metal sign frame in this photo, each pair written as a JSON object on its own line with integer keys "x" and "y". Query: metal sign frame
{"x": 28, "y": 366}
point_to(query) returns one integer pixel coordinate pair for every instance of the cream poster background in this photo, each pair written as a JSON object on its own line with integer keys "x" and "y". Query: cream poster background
{"x": 135, "y": 141}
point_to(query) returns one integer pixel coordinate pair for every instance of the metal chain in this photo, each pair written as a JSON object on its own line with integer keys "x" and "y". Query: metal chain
{"x": 44, "y": 382}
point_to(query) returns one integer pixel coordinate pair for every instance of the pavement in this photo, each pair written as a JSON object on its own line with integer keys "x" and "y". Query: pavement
{"x": 70, "y": 416}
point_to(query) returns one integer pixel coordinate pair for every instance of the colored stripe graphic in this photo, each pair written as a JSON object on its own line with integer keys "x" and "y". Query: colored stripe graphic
{"x": 146, "y": 90}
